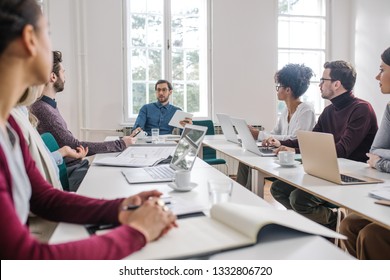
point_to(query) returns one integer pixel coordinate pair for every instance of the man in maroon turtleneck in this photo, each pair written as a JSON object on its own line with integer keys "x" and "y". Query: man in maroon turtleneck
{"x": 351, "y": 120}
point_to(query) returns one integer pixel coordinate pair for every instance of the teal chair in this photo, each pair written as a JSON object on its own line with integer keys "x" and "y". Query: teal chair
{"x": 209, "y": 154}
{"x": 52, "y": 145}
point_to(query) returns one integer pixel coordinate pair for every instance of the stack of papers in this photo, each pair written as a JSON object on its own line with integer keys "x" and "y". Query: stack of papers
{"x": 138, "y": 156}
{"x": 382, "y": 193}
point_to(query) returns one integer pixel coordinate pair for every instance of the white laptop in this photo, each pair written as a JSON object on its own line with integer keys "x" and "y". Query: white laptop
{"x": 228, "y": 129}
{"x": 183, "y": 159}
{"x": 319, "y": 158}
{"x": 248, "y": 142}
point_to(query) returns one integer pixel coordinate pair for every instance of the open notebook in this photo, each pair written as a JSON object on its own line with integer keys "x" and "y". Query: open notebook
{"x": 183, "y": 158}
{"x": 229, "y": 226}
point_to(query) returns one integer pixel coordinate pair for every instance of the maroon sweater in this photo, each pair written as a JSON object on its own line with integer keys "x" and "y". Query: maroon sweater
{"x": 17, "y": 243}
{"x": 352, "y": 121}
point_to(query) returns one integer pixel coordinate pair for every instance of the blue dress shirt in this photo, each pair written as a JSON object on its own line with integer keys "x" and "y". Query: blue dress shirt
{"x": 155, "y": 115}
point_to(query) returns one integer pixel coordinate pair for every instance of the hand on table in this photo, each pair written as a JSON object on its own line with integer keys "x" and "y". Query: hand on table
{"x": 152, "y": 218}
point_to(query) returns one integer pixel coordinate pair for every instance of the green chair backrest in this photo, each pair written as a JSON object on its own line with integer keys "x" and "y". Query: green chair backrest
{"x": 208, "y": 153}
{"x": 52, "y": 145}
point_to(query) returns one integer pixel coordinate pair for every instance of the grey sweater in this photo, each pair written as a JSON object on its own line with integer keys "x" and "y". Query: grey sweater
{"x": 50, "y": 120}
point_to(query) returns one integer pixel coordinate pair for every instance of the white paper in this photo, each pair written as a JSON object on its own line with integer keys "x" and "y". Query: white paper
{"x": 179, "y": 116}
{"x": 382, "y": 193}
{"x": 139, "y": 156}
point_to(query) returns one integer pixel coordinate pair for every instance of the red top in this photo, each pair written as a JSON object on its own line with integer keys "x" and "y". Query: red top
{"x": 47, "y": 202}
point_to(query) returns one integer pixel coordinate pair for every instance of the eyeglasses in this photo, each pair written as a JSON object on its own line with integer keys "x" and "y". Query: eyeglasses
{"x": 326, "y": 79}
{"x": 279, "y": 86}
{"x": 162, "y": 89}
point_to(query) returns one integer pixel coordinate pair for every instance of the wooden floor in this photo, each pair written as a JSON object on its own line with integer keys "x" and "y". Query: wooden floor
{"x": 268, "y": 197}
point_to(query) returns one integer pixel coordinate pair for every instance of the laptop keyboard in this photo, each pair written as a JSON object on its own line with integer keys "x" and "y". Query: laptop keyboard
{"x": 348, "y": 179}
{"x": 161, "y": 172}
{"x": 266, "y": 151}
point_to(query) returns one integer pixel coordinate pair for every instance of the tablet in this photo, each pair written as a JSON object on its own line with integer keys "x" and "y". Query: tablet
{"x": 179, "y": 116}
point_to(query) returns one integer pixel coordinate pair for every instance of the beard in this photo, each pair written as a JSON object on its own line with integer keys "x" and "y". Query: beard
{"x": 163, "y": 99}
{"x": 59, "y": 85}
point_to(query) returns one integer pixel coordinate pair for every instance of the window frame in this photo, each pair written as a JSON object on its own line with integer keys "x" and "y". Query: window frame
{"x": 166, "y": 60}
{"x": 315, "y": 81}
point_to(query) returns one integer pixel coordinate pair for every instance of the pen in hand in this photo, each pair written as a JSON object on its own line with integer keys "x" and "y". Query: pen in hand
{"x": 130, "y": 207}
{"x": 138, "y": 132}
{"x": 133, "y": 207}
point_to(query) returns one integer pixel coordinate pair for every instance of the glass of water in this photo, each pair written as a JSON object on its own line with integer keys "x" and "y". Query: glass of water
{"x": 155, "y": 134}
{"x": 220, "y": 190}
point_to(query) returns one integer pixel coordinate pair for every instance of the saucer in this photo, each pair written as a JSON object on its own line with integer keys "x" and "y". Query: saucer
{"x": 288, "y": 165}
{"x": 186, "y": 189}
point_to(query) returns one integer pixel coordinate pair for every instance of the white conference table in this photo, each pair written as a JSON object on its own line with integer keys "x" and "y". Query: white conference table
{"x": 109, "y": 183}
{"x": 352, "y": 197}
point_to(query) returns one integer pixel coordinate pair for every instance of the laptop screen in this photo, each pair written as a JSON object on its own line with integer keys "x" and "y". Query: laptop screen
{"x": 188, "y": 147}
{"x": 227, "y": 128}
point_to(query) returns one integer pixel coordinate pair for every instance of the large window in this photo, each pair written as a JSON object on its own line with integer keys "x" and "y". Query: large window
{"x": 167, "y": 39}
{"x": 302, "y": 39}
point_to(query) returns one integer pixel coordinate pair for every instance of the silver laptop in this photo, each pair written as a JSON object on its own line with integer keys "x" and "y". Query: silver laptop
{"x": 183, "y": 158}
{"x": 248, "y": 142}
{"x": 228, "y": 129}
{"x": 319, "y": 158}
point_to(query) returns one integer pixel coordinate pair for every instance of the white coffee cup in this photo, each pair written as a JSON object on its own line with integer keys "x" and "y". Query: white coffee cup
{"x": 182, "y": 178}
{"x": 286, "y": 157}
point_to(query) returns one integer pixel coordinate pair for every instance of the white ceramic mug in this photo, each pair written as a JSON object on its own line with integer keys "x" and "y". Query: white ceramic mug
{"x": 182, "y": 178}
{"x": 286, "y": 157}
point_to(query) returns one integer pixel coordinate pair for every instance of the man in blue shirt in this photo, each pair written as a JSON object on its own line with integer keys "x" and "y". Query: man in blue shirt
{"x": 158, "y": 114}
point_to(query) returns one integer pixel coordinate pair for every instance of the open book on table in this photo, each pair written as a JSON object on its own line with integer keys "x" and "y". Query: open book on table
{"x": 138, "y": 156}
{"x": 230, "y": 226}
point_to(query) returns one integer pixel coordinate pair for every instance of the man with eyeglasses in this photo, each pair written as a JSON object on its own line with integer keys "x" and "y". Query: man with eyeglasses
{"x": 159, "y": 113}
{"x": 353, "y": 123}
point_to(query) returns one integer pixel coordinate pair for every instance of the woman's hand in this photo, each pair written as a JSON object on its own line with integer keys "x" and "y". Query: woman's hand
{"x": 284, "y": 148}
{"x": 153, "y": 219}
{"x": 271, "y": 141}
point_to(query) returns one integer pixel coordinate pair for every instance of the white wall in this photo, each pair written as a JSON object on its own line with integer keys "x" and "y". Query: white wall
{"x": 244, "y": 57}
{"x": 372, "y": 37}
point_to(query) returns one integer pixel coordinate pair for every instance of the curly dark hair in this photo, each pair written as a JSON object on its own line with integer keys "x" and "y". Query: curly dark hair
{"x": 296, "y": 77}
